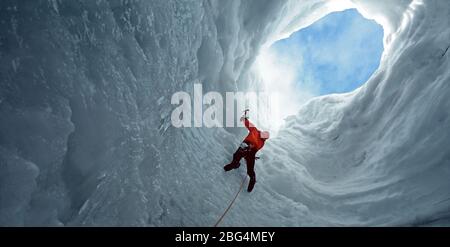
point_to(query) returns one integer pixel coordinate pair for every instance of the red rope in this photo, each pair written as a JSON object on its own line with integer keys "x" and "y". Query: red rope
{"x": 231, "y": 204}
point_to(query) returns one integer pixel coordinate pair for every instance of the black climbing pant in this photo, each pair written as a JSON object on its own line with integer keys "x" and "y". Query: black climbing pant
{"x": 249, "y": 156}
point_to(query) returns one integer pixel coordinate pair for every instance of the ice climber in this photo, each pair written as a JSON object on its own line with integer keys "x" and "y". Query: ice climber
{"x": 248, "y": 149}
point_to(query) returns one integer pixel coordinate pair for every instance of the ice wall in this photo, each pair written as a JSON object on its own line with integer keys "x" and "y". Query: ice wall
{"x": 85, "y": 134}
{"x": 375, "y": 156}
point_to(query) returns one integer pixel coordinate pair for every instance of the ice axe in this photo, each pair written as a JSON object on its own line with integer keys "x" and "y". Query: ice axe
{"x": 245, "y": 112}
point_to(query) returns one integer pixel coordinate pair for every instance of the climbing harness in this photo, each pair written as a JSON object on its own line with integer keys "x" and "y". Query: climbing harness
{"x": 231, "y": 204}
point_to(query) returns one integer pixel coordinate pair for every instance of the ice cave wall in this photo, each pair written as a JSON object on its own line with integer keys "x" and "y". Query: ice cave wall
{"x": 375, "y": 156}
{"x": 85, "y": 134}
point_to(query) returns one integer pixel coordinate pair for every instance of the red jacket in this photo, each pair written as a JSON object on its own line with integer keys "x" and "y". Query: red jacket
{"x": 253, "y": 137}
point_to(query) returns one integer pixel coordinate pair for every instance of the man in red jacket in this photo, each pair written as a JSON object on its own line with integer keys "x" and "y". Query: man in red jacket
{"x": 248, "y": 148}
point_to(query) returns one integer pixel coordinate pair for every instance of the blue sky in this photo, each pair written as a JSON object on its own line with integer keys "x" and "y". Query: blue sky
{"x": 336, "y": 54}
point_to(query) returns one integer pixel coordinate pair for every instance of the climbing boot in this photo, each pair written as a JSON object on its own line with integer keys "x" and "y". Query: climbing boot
{"x": 231, "y": 166}
{"x": 251, "y": 184}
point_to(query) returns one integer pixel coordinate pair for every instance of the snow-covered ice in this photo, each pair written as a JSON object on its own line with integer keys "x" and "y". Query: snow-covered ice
{"x": 86, "y": 139}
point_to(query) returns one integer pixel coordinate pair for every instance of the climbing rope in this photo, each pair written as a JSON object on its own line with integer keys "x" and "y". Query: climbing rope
{"x": 231, "y": 204}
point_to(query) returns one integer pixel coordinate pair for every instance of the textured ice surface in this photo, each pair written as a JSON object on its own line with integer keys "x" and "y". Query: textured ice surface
{"x": 85, "y": 134}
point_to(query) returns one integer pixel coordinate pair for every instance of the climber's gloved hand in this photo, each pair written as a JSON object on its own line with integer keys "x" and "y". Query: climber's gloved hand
{"x": 245, "y": 115}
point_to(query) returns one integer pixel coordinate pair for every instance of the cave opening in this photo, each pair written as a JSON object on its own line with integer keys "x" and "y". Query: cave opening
{"x": 336, "y": 54}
